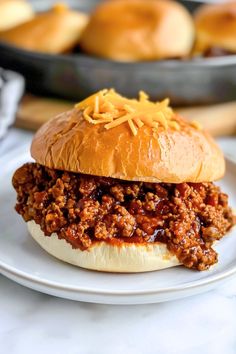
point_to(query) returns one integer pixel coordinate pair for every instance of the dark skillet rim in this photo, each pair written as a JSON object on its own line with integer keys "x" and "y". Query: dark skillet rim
{"x": 87, "y": 60}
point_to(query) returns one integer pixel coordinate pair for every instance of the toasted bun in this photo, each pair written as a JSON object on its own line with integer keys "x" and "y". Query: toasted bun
{"x": 139, "y": 30}
{"x": 56, "y": 31}
{"x": 216, "y": 27}
{"x": 128, "y": 258}
{"x": 69, "y": 142}
{"x": 14, "y": 12}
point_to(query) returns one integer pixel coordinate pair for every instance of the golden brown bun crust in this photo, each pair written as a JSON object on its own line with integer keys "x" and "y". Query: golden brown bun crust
{"x": 56, "y": 31}
{"x": 14, "y": 12}
{"x": 128, "y": 258}
{"x": 68, "y": 142}
{"x": 216, "y": 27}
{"x": 139, "y": 30}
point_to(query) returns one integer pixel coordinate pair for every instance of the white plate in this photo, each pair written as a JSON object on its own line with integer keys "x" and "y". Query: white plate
{"x": 22, "y": 260}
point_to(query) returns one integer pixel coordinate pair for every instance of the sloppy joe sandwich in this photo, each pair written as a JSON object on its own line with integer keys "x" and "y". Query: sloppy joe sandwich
{"x": 55, "y": 31}
{"x": 139, "y": 30}
{"x": 216, "y": 29}
{"x": 124, "y": 185}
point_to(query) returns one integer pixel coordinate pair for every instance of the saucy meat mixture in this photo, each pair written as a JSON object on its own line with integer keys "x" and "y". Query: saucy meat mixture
{"x": 83, "y": 209}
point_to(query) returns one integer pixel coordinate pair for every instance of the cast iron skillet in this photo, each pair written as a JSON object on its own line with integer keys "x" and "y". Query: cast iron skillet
{"x": 76, "y": 76}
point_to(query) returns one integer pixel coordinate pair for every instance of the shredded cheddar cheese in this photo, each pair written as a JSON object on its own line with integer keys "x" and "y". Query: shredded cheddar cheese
{"x": 111, "y": 109}
{"x": 196, "y": 125}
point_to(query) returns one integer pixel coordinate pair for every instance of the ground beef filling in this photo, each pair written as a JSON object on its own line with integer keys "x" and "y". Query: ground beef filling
{"x": 82, "y": 209}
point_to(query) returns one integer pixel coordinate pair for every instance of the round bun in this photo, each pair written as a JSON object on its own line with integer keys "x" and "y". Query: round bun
{"x": 56, "y": 31}
{"x": 14, "y": 12}
{"x": 216, "y": 27}
{"x": 69, "y": 142}
{"x": 139, "y": 30}
{"x": 128, "y": 258}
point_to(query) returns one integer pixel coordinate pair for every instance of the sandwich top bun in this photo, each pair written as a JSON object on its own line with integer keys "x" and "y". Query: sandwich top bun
{"x": 138, "y": 140}
{"x": 139, "y": 30}
{"x": 14, "y": 12}
{"x": 216, "y": 27}
{"x": 55, "y": 31}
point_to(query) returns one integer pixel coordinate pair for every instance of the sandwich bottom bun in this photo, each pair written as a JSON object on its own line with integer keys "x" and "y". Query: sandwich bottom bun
{"x": 128, "y": 258}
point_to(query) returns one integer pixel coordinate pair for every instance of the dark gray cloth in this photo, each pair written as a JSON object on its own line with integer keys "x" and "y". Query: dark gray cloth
{"x": 11, "y": 90}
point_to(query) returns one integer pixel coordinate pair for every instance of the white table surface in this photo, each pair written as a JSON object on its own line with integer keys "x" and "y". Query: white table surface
{"x": 34, "y": 323}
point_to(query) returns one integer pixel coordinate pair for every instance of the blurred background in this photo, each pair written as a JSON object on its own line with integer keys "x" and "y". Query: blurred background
{"x": 53, "y": 54}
